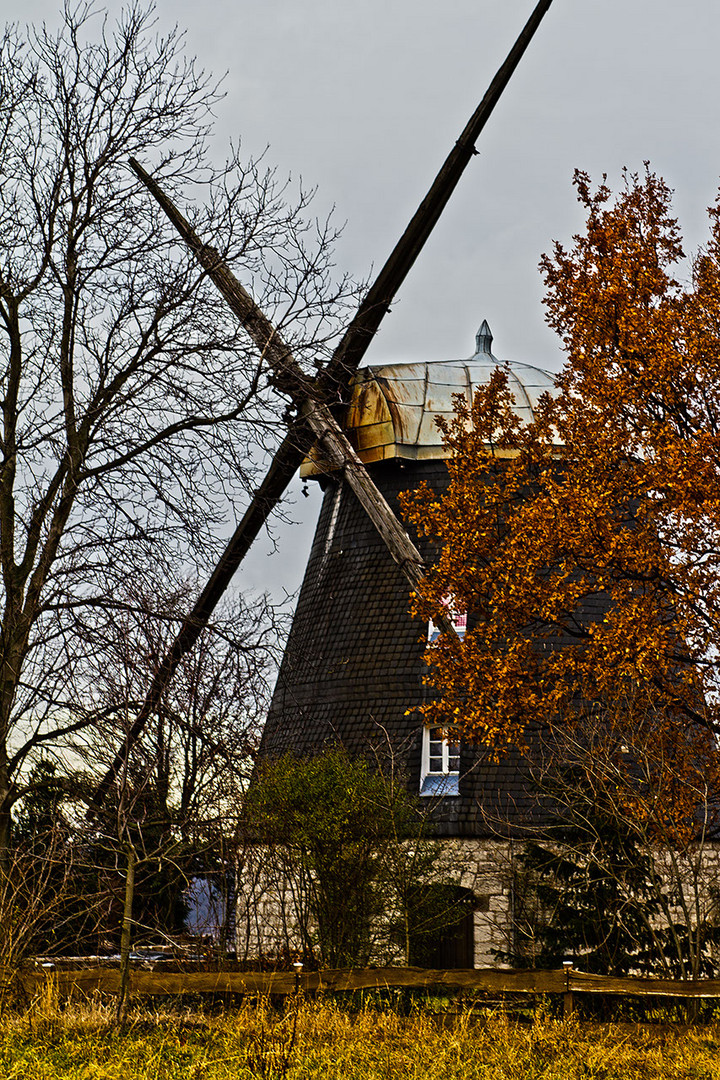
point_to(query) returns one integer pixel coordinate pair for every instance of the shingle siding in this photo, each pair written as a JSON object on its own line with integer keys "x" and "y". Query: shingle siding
{"x": 353, "y": 667}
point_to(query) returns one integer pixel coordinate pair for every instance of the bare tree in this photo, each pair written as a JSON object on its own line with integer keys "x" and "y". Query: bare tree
{"x": 197, "y": 752}
{"x": 132, "y": 400}
{"x": 73, "y": 884}
{"x": 181, "y": 788}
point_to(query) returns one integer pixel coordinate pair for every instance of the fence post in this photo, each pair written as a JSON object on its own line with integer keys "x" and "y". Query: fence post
{"x": 568, "y": 1001}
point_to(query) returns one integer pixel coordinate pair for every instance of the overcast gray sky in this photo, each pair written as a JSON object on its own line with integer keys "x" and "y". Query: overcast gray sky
{"x": 364, "y": 99}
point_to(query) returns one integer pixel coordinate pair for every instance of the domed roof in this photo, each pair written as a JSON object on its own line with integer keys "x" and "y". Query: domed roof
{"x": 393, "y": 407}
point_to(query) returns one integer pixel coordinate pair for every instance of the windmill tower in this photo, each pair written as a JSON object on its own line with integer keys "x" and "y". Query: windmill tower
{"x": 353, "y": 666}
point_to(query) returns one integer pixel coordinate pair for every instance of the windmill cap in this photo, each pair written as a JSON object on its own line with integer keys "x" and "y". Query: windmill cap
{"x": 393, "y": 407}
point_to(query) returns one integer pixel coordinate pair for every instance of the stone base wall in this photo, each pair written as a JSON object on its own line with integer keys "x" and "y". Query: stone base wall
{"x": 273, "y": 917}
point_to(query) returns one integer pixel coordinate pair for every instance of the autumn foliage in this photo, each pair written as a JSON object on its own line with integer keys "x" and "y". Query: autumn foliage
{"x": 586, "y": 545}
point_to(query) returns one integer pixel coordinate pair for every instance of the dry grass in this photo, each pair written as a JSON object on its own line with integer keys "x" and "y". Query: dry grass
{"x": 254, "y": 1041}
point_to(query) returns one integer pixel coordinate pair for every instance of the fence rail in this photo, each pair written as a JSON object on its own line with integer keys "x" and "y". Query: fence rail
{"x": 283, "y": 983}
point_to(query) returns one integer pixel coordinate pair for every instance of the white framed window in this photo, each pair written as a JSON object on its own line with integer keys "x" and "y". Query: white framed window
{"x": 440, "y": 764}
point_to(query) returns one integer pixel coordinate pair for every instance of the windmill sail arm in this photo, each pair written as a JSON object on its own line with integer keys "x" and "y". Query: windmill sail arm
{"x": 281, "y": 471}
{"x": 340, "y": 455}
{"x": 287, "y": 373}
{"x": 289, "y": 377}
{"x": 359, "y": 334}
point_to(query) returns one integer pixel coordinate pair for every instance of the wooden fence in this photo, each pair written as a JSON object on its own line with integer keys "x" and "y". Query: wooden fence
{"x": 565, "y": 982}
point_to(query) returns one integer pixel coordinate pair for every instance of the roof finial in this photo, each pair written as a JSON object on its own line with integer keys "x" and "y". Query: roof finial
{"x": 484, "y": 339}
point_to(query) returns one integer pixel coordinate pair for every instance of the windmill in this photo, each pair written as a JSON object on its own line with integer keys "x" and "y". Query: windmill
{"x": 315, "y": 422}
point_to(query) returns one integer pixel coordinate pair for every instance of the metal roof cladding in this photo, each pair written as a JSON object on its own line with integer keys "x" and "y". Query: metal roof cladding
{"x": 393, "y": 407}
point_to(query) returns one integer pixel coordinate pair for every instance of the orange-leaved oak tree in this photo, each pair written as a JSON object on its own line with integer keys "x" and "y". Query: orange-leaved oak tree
{"x": 585, "y": 545}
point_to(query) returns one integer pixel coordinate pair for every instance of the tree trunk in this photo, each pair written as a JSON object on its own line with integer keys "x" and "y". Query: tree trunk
{"x": 126, "y": 931}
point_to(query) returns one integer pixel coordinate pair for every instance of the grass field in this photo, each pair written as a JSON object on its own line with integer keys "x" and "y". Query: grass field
{"x": 329, "y": 1041}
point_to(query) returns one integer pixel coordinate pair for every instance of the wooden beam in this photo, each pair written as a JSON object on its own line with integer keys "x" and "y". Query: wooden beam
{"x": 290, "y": 379}
{"x": 265, "y": 499}
{"x": 492, "y": 980}
{"x": 381, "y": 293}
